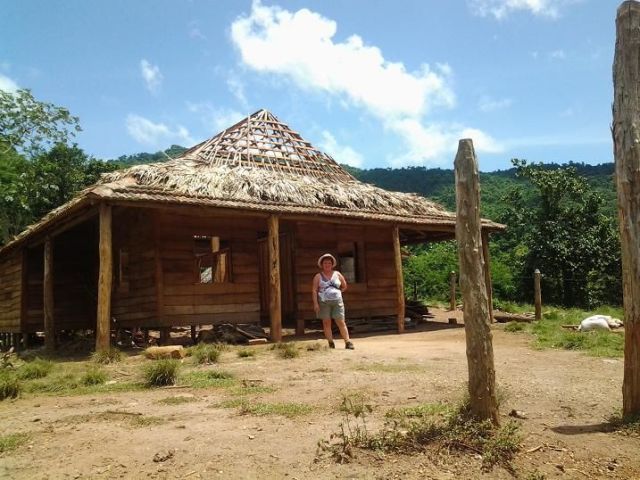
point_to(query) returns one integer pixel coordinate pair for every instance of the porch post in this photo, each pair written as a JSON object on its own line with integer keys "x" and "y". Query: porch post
{"x": 48, "y": 303}
{"x": 275, "y": 310}
{"x": 399, "y": 278}
{"x": 487, "y": 271}
{"x": 103, "y": 320}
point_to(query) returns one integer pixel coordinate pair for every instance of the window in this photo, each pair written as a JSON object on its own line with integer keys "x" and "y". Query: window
{"x": 351, "y": 261}
{"x": 213, "y": 259}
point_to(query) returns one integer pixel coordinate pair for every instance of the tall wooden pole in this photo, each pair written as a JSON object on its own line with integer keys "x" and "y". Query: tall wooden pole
{"x": 482, "y": 384}
{"x": 48, "y": 301}
{"x": 105, "y": 278}
{"x": 452, "y": 291}
{"x": 275, "y": 303}
{"x": 626, "y": 145}
{"x": 399, "y": 278}
{"x": 537, "y": 294}
{"x": 487, "y": 271}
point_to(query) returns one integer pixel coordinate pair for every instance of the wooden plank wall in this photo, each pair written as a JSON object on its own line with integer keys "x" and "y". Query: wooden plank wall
{"x": 11, "y": 292}
{"x": 185, "y": 302}
{"x": 34, "y": 321}
{"x": 376, "y": 295}
{"x": 135, "y": 304}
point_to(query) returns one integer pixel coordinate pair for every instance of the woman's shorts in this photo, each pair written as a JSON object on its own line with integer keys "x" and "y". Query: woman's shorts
{"x": 331, "y": 309}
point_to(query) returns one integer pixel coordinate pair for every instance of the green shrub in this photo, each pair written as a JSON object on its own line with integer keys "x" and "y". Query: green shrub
{"x": 12, "y": 441}
{"x": 207, "y": 378}
{"x": 246, "y": 352}
{"x": 161, "y": 372}
{"x": 105, "y": 357}
{"x": 205, "y": 353}
{"x": 10, "y": 386}
{"x": 287, "y": 350}
{"x": 514, "y": 327}
{"x": 93, "y": 376}
{"x": 37, "y": 368}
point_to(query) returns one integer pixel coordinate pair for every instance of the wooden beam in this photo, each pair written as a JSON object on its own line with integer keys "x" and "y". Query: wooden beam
{"x": 487, "y": 271}
{"x": 275, "y": 306}
{"x": 537, "y": 294}
{"x": 48, "y": 301}
{"x": 397, "y": 255}
{"x": 482, "y": 378}
{"x": 105, "y": 279}
{"x": 159, "y": 278}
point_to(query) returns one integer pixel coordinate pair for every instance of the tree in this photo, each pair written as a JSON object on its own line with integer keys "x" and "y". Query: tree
{"x": 564, "y": 233}
{"x": 626, "y": 117}
{"x": 28, "y": 125}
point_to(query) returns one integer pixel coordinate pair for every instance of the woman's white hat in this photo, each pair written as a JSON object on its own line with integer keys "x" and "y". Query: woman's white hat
{"x": 326, "y": 255}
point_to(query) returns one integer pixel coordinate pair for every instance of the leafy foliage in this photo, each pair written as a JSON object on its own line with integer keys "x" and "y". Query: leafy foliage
{"x": 29, "y": 125}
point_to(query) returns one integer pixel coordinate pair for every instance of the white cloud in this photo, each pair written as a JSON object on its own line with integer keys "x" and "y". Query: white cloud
{"x": 7, "y": 84}
{"x": 215, "y": 119}
{"x": 300, "y": 46}
{"x": 429, "y": 143}
{"x": 557, "y": 55}
{"x": 151, "y": 75}
{"x": 501, "y": 9}
{"x": 153, "y": 134}
{"x": 340, "y": 153}
{"x": 487, "y": 104}
{"x": 195, "y": 32}
{"x": 236, "y": 87}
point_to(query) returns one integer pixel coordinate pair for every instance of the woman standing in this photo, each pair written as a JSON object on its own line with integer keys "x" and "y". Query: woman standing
{"x": 326, "y": 292}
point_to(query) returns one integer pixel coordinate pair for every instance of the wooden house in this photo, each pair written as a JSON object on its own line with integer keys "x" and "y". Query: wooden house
{"x": 228, "y": 232}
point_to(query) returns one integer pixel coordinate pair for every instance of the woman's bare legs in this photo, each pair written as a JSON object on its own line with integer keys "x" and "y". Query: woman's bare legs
{"x": 342, "y": 326}
{"x": 326, "y": 326}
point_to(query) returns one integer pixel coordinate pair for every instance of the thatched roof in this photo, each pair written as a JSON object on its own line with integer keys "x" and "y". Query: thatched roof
{"x": 258, "y": 164}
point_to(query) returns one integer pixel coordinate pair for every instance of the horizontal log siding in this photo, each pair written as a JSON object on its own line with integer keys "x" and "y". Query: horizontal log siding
{"x": 185, "y": 302}
{"x": 375, "y": 296}
{"x": 11, "y": 292}
{"x": 134, "y": 305}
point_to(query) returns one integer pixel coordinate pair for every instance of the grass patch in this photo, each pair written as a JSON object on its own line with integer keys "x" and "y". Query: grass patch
{"x": 107, "y": 356}
{"x": 598, "y": 343}
{"x": 513, "y": 307}
{"x": 132, "y": 419}
{"x": 283, "y": 409}
{"x": 12, "y": 441}
{"x": 316, "y": 347}
{"x": 37, "y": 368}
{"x": 251, "y": 390}
{"x": 161, "y": 373}
{"x": 177, "y": 400}
{"x": 514, "y": 327}
{"x": 414, "y": 429}
{"x": 246, "y": 353}
{"x": 205, "y": 353}
{"x": 94, "y": 376}
{"x": 10, "y": 386}
{"x": 286, "y": 350}
{"x": 207, "y": 378}
{"x": 389, "y": 367}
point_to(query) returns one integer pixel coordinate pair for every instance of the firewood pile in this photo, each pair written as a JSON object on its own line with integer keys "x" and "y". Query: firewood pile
{"x": 233, "y": 334}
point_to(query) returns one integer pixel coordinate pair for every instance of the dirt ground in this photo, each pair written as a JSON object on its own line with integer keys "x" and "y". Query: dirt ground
{"x": 567, "y": 398}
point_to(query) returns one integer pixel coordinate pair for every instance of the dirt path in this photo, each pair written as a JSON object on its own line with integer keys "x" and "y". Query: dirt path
{"x": 566, "y": 397}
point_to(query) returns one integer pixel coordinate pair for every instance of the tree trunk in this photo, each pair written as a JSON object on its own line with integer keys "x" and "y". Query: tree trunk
{"x": 483, "y": 402}
{"x": 537, "y": 294}
{"x": 626, "y": 145}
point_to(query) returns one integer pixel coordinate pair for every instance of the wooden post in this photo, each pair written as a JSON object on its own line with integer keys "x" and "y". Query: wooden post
{"x": 487, "y": 271}
{"x": 537, "y": 294}
{"x": 482, "y": 388}
{"x": 105, "y": 278}
{"x": 48, "y": 302}
{"x": 194, "y": 334}
{"x": 452, "y": 291}
{"x": 626, "y": 146}
{"x": 399, "y": 278}
{"x": 275, "y": 305}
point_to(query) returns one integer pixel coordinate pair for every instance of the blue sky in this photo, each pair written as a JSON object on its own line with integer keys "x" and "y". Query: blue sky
{"x": 373, "y": 83}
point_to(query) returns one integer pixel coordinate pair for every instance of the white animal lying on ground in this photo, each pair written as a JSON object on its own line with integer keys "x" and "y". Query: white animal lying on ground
{"x": 599, "y": 322}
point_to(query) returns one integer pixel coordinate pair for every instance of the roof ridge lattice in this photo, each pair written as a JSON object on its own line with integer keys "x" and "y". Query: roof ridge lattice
{"x": 261, "y": 140}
